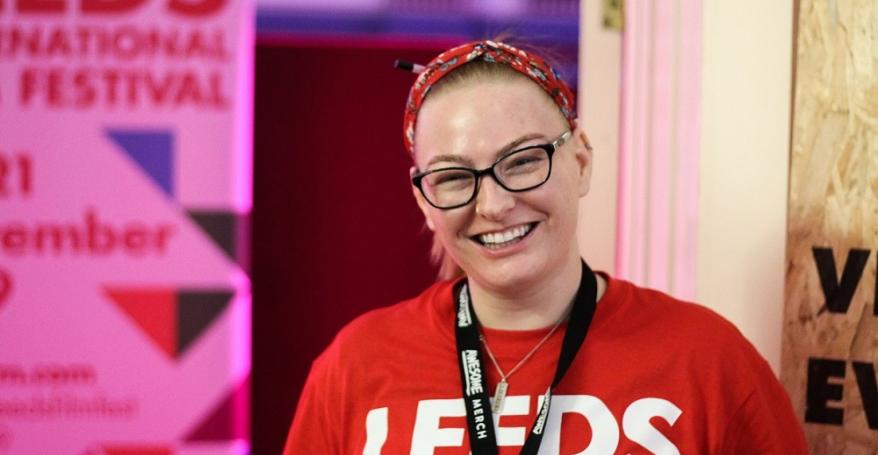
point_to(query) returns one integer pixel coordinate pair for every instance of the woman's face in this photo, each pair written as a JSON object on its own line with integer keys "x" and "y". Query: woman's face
{"x": 470, "y": 125}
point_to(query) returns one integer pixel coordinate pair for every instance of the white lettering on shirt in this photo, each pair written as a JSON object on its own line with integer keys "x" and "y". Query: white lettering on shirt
{"x": 637, "y": 428}
{"x": 376, "y": 431}
{"x": 427, "y": 434}
{"x": 512, "y": 436}
{"x": 604, "y": 430}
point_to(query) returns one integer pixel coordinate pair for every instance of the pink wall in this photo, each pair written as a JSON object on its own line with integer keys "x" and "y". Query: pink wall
{"x": 659, "y": 137}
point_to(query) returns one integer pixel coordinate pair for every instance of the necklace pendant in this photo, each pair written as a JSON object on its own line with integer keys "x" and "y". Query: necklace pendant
{"x": 499, "y": 396}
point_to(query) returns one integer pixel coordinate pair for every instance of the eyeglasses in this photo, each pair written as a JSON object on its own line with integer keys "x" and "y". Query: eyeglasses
{"x": 519, "y": 170}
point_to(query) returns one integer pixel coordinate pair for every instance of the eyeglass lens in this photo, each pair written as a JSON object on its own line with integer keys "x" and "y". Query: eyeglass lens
{"x": 518, "y": 171}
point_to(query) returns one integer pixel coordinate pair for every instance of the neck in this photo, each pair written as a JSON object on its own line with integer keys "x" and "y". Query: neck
{"x": 533, "y": 307}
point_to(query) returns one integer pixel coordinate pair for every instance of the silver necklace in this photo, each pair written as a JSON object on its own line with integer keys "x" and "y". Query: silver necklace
{"x": 503, "y": 385}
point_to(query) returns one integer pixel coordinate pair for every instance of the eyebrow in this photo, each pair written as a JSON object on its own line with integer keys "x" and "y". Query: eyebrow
{"x": 510, "y": 147}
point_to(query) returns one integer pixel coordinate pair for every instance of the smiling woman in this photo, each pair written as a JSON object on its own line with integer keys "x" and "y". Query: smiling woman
{"x": 499, "y": 166}
{"x": 486, "y": 123}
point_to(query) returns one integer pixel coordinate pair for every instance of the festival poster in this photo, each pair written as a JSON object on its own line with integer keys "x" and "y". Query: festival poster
{"x": 125, "y": 190}
{"x": 830, "y": 338}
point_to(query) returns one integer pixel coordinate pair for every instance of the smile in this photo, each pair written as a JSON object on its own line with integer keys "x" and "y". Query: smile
{"x": 497, "y": 240}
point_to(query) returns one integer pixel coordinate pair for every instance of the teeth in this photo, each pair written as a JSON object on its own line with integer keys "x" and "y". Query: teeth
{"x": 507, "y": 236}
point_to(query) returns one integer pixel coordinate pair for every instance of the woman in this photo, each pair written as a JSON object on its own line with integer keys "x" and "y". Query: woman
{"x": 558, "y": 358}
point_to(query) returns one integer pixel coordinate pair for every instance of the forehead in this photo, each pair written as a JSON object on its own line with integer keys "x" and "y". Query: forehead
{"x": 477, "y": 119}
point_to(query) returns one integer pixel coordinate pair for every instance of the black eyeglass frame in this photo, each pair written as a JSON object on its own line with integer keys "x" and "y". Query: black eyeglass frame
{"x": 549, "y": 148}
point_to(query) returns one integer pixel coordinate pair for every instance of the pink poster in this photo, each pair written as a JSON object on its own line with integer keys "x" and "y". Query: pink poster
{"x": 125, "y": 179}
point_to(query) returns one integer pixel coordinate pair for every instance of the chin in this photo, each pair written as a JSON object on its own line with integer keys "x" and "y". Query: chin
{"x": 508, "y": 274}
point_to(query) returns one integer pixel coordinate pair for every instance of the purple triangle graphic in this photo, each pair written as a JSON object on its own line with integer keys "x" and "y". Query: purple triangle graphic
{"x": 152, "y": 150}
{"x": 227, "y": 421}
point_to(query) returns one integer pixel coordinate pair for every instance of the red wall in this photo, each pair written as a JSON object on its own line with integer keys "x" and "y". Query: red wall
{"x": 336, "y": 231}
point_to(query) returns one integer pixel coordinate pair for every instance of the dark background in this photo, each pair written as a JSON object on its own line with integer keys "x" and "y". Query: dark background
{"x": 336, "y": 230}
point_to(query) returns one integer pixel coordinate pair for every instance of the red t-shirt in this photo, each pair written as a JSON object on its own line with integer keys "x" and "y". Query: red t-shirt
{"x": 655, "y": 375}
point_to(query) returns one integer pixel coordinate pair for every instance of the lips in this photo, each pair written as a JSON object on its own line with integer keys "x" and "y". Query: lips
{"x": 500, "y": 239}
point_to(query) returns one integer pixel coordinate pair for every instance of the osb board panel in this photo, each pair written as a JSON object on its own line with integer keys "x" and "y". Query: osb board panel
{"x": 834, "y": 207}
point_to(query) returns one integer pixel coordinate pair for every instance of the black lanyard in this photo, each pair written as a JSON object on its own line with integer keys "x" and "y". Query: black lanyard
{"x": 473, "y": 377}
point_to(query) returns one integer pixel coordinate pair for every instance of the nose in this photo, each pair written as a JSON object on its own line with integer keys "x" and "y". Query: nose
{"x": 493, "y": 201}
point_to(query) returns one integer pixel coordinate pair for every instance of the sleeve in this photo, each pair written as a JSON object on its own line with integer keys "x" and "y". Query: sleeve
{"x": 764, "y": 422}
{"x": 315, "y": 424}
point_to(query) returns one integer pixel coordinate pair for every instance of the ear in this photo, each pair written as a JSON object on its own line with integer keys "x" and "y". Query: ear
{"x": 422, "y": 204}
{"x": 584, "y": 154}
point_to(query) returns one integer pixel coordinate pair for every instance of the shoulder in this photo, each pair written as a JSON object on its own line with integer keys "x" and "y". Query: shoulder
{"x": 682, "y": 336}
{"x": 653, "y": 310}
{"x": 417, "y": 318}
{"x": 733, "y": 378}
{"x": 696, "y": 335}
{"x": 415, "y": 311}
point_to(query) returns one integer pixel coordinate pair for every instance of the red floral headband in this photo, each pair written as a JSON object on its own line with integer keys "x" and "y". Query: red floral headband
{"x": 532, "y": 66}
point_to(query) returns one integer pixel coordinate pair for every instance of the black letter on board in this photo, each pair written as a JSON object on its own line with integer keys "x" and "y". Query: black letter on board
{"x": 839, "y": 294}
{"x": 820, "y": 391}
{"x": 865, "y": 374}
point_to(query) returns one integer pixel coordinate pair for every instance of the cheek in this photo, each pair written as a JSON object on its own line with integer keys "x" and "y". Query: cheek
{"x": 561, "y": 201}
{"x": 568, "y": 186}
{"x": 448, "y": 224}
